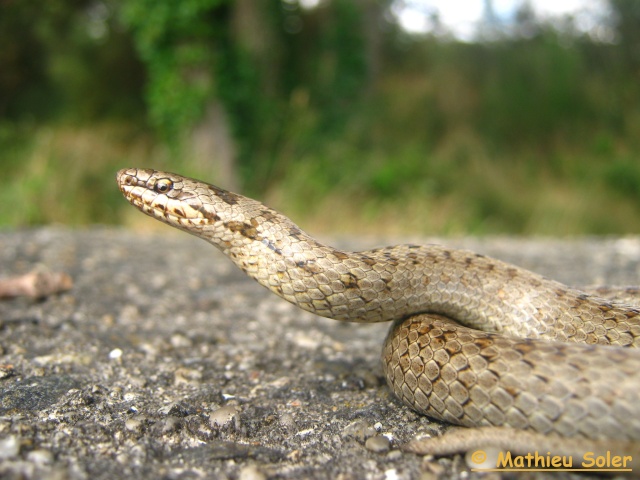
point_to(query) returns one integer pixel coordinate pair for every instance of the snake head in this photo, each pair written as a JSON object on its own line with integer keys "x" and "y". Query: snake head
{"x": 223, "y": 218}
{"x": 173, "y": 199}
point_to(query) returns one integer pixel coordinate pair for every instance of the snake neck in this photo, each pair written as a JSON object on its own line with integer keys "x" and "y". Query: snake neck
{"x": 370, "y": 286}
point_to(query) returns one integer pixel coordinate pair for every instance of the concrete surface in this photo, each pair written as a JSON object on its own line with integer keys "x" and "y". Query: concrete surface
{"x": 165, "y": 361}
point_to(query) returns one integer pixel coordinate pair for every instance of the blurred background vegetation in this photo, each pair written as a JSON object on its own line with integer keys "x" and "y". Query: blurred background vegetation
{"x": 330, "y": 111}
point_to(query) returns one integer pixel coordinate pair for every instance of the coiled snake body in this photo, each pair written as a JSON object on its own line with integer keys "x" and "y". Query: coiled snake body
{"x": 554, "y": 364}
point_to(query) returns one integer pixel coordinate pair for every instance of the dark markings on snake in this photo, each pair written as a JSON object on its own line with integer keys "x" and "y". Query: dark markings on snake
{"x": 207, "y": 214}
{"x": 542, "y": 379}
{"x": 413, "y": 256}
{"x": 243, "y": 229}
{"x": 524, "y": 347}
{"x": 512, "y": 391}
{"x": 268, "y": 214}
{"x": 350, "y": 280}
{"x": 227, "y": 197}
{"x": 483, "y": 342}
{"x": 368, "y": 260}
{"x": 391, "y": 259}
{"x": 431, "y": 257}
{"x": 605, "y": 307}
{"x": 309, "y": 266}
{"x": 313, "y": 242}
{"x": 451, "y": 347}
{"x": 512, "y": 272}
{"x": 535, "y": 282}
{"x": 271, "y": 246}
{"x": 296, "y": 236}
{"x": 179, "y": 211}
{"x": 340, "y": 255}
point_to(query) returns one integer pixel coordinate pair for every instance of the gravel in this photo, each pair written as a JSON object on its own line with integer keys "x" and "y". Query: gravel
{"x": 165, "y": 361}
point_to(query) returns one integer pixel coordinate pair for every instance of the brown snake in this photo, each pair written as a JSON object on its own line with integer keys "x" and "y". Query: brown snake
{"x": 554, "y": 364}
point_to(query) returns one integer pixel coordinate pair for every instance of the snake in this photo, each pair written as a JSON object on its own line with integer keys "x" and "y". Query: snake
{"x": 475, "y": 341}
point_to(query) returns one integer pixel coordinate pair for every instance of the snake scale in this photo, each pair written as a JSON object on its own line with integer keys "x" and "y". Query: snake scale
{"x": 475, "y": 341}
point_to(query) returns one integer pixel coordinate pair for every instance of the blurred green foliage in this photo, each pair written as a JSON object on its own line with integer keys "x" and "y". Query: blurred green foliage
{"x": 174, "y": 41}
{"x": 338, "y": 116}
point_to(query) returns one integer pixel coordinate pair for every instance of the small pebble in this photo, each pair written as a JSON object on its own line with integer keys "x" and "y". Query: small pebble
{"x": 169, "y": 425}
{"x": 391, "y": 474}
{"x": 115, "y": 354}
{"x": 132, "y": 424}
{"x": 41, "y": 457}
{"x": 378, "y": 444}
{"x": 6, "y": 370}
{"x": 130, "y": 397}
{"x": 224, "y": 416}
{"x": 360, "y": 430}
{"x": 9, "y": 447}
{"x": 305, "y": 433}
{"x": 178, "y": 340}
{"x": 251, "y": 472}
{"x": 288, "y": 422}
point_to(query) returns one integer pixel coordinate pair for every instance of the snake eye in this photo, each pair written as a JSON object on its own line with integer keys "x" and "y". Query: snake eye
{"x": 163, "y": 185}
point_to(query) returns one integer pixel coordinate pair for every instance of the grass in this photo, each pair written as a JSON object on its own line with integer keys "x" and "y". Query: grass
{"x": 463, "y": 188}
{"x": 65, "y": 175}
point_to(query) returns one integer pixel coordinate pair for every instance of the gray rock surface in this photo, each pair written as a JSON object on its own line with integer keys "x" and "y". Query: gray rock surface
{"x": 165, "y": 361}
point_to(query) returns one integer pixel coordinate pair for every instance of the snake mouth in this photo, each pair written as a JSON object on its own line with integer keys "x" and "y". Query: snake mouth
{"x": 132, "y": 187}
